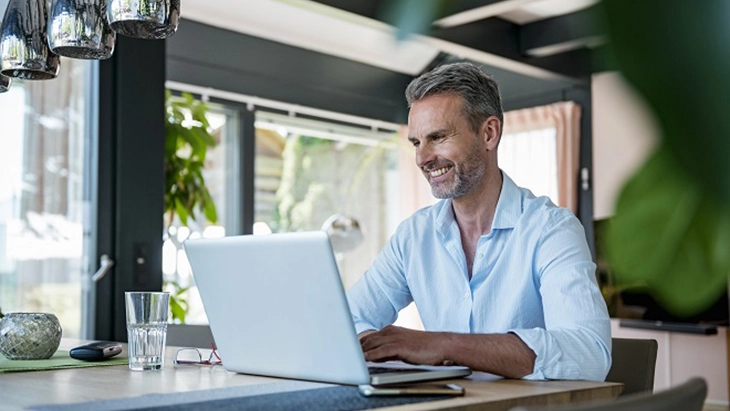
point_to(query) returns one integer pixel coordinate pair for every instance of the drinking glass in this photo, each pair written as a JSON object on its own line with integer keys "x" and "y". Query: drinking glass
{"x": 146, "y": 329}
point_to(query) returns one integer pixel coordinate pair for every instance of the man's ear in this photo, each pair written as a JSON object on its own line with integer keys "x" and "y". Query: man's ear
{"x": 491, "y": 132}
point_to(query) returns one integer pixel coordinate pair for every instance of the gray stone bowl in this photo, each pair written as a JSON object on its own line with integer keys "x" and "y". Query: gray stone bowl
{"x": 29, "y": 336}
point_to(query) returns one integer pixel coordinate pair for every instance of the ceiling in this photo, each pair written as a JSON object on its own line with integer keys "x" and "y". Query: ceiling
{"x": 532, "y": 47}
{"x": 549, "y": 40}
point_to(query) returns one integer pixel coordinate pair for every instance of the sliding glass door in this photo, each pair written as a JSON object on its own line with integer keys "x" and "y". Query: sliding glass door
{"x": 46, "y": 196}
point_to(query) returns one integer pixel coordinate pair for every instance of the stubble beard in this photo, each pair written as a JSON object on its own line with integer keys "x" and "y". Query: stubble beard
{"x": 466, "y": 176}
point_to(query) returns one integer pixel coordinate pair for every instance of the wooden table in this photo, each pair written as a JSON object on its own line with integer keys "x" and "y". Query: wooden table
{"x": 20, "y": 390}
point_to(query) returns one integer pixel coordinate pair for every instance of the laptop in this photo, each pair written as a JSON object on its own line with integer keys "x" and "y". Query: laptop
{"x": 277, "y": 308}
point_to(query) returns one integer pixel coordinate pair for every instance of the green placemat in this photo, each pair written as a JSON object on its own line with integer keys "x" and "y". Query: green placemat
{"x": 60, "y": 360}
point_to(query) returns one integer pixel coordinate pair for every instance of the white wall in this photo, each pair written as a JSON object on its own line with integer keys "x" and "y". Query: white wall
{"x": 624, "y": 134}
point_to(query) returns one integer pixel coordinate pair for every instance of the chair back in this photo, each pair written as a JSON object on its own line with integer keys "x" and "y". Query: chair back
{"x": 634, "y": 363}
{"x": 689, "y": 396}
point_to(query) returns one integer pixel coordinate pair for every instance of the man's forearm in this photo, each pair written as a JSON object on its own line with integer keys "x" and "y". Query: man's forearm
{"x": 501, "y": 354}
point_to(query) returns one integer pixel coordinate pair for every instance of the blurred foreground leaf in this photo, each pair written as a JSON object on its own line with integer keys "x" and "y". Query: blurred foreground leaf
{"x": 677, "y": 55}
{"x": 672, "y": 235}
{"x": 415, "y": 16}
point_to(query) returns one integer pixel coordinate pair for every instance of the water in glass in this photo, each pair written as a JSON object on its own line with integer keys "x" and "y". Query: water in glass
{"x": 146, "y": 345}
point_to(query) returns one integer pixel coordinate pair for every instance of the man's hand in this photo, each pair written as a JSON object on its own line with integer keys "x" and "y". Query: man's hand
{"x": 501, "y": 354}
{"x": 396, "y": 343}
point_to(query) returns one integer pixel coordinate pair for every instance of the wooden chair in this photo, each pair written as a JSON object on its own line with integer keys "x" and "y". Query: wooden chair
{"x": 634, "y": 364}
{"x": 689, "y": 396}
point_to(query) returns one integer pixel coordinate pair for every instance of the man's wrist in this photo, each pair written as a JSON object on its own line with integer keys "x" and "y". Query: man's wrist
{"x": 364, "y": 333}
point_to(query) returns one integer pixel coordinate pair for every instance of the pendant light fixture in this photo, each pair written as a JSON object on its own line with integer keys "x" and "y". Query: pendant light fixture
{"x": 144, "y": 19}
{"x": 24, "y": 51}
{"x": 5, "y": 83}
{"x": 78, "y": 29}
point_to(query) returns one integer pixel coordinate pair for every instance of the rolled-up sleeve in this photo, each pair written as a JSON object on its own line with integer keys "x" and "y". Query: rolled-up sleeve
{"x": 377, "y": 297}
{"x": 576, "y": 340}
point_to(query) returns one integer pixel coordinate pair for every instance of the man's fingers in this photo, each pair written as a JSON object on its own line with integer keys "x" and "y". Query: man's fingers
{"x": 365, "y": 334}
{"x": 381, "y": 353}
{"x": 369, "y": 342}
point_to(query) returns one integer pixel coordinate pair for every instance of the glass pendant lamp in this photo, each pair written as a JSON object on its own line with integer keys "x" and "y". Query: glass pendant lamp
{"x": 79, "y": 29}
{"x": 24, "y": 51}
{"x": 144, "y": 19}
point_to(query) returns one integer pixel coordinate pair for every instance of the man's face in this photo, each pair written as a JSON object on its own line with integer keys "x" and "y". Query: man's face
{"x": 449, "y": 153}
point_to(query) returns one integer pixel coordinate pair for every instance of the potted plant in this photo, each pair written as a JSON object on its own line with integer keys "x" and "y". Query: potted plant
{"x": 187, "y": 139}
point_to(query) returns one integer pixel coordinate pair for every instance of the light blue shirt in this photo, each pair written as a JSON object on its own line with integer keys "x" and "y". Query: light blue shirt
{"x": 532, "y": 276}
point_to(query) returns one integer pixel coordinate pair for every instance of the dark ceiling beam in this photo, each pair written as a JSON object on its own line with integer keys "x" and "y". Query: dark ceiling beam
{"x": 502, "y": 38}
{"x": 493, "y": 36}
{"x": 370, "y": 9}
{"x": 582, "y": 29}
{"x": 489, "y": 35}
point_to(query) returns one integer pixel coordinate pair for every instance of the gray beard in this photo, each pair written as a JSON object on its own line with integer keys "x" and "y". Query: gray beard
{"x": 466, "y": 177}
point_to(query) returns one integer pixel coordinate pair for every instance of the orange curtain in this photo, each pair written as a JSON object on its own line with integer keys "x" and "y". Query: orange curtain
{"x": 565, "y": 118}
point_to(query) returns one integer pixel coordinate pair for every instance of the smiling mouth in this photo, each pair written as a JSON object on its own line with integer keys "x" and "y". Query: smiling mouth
{"x": 439, "y": 171}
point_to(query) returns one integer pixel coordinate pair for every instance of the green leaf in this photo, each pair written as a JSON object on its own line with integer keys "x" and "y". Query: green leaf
{"x": 677, "y": 57}
{"x": 170, "y": 142}
{"x": 184, "y": 182}
{"x": 205, "y": 137}
{"x": 191, "y": 138}
{"x": 178, "y": 311}
{"x": 182, "y": 212}
{"x": 177, "y": 115}
{"x": 209, "y": 208}
{"x": 671, "y": 234}
{"x": 189, "y": 99}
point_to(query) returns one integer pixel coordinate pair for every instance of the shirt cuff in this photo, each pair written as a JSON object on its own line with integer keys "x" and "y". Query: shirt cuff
{"x": 362, "y": 327}
{"x": 535, "y": 340}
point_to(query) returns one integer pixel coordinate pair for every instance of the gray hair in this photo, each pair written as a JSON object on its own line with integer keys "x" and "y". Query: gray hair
{"x": 478, "y": 90}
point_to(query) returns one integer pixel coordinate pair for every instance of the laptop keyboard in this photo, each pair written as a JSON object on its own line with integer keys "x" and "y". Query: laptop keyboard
{"x": 384, "y": 370}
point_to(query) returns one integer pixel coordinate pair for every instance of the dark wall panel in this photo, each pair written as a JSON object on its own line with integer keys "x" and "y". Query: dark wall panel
{"x": 207, "y": 56}
{"x": 132, "y": 133}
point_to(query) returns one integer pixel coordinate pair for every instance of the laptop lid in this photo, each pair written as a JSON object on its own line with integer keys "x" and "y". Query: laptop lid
{"x": 276, "y": 307}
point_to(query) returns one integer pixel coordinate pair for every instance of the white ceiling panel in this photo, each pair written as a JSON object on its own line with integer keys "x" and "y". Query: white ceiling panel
{"x": 544, "y": 9}
{"x": 315, "y": 27}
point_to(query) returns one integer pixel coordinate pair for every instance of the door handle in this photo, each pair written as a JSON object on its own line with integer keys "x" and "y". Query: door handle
{"x": 106, "y": 264}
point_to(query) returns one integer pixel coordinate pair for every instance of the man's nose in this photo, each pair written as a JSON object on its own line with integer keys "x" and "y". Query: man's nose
{"x": 424, "y": 155}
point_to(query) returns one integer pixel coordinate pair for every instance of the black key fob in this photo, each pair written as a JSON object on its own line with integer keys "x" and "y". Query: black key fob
{"x": 100, "y": 350}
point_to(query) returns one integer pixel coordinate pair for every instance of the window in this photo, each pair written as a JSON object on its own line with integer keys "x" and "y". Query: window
{"x": 221, "y": 178}
{"x": 310, "y": 171}
{"x": 44, "y": 194}
{"x": 529, "y": 159}
{"x": 539, "y": 150}
{"x": 306, "y": 171}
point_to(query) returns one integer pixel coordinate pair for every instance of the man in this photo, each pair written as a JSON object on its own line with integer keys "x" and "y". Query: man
{"x": 503, "y": 281}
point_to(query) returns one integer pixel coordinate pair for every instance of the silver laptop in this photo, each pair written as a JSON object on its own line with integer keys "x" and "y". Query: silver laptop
{"x": 277, "y": 308}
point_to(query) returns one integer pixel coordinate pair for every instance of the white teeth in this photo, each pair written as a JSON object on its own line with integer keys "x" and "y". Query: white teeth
{"x": 438, "y": 172}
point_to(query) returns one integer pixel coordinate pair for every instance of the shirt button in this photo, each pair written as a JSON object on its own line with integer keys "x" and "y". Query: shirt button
{"x": 467, "y": 296}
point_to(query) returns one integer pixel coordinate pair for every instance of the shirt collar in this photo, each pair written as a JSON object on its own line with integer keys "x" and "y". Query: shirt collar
{"x": 509, "y": 205}
{"x": 508, "y": 211}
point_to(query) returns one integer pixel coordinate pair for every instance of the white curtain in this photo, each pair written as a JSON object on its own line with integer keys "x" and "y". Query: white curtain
{"x": 529, "y": 159}
{"x": 540, "y": 151}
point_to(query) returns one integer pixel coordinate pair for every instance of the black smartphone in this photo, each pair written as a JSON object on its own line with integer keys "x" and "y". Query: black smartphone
{"x": 415, "y": 389}
{"x": 97, "y": 351}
